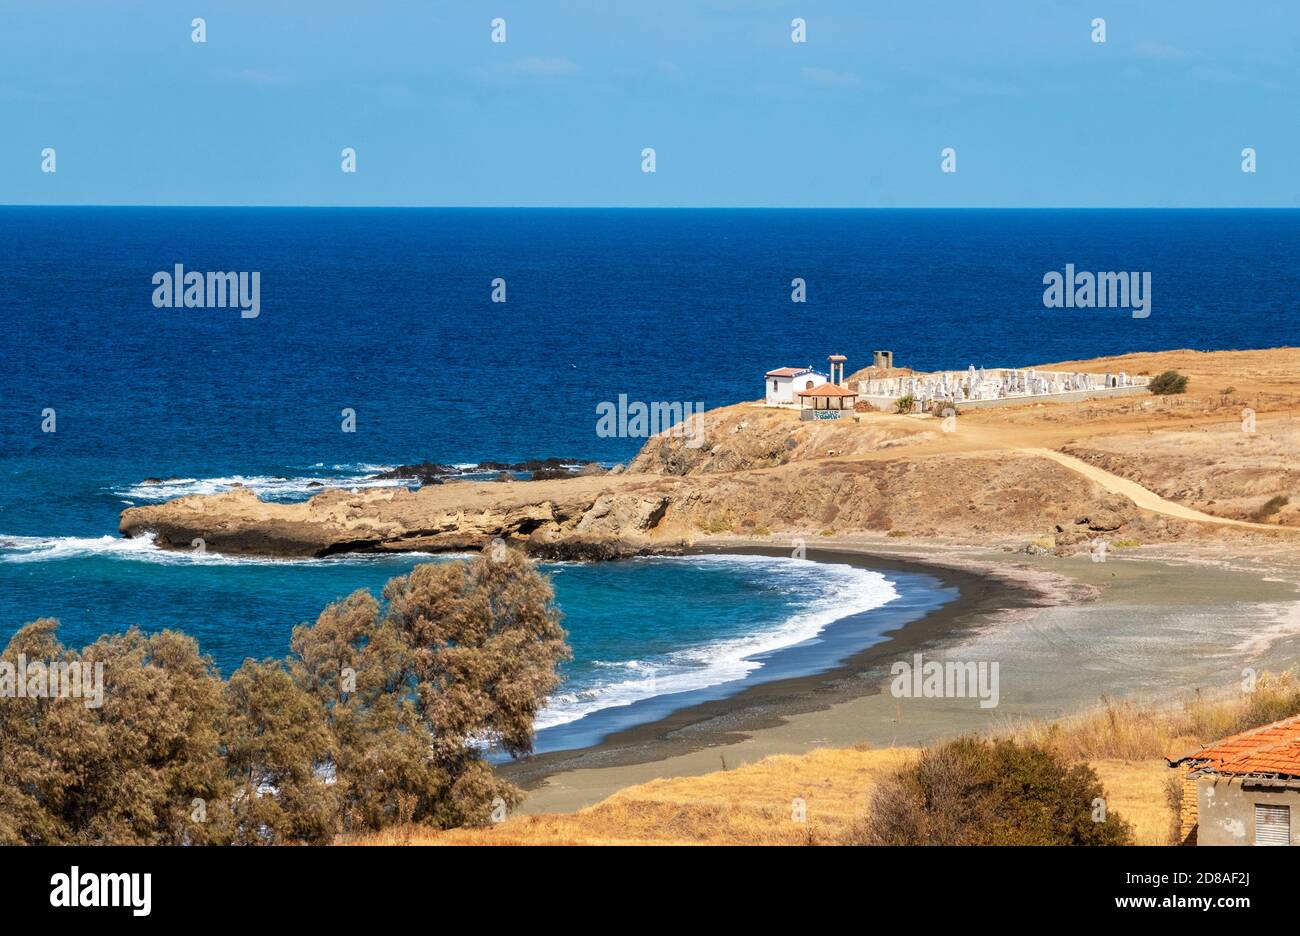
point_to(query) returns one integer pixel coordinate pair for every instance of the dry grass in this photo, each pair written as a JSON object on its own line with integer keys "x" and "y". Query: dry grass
{"x": 1125, "y": 742}
{"x": 750, "y": 805}
{"x": 753, "y": 806}
{"x": 1134, "y": 731}
{"x": 1135, "y": 791}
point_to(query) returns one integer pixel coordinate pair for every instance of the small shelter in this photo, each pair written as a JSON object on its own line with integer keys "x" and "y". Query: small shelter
{"x": 826, "y": 399}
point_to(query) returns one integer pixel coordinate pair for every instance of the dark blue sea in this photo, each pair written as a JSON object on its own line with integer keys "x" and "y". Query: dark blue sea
{"x": 388, "y": 313}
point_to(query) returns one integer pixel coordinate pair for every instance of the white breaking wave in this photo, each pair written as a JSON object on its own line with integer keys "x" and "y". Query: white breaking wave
{"x": 829, "y": 592}
{"x": 264, "y": 486}
{"x": 143, "y": 549}
{"x": 46, "y": 548}
{"x": 353, "y": 476}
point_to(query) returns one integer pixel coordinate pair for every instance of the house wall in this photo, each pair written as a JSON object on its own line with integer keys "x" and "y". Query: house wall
{"x": 1225, "y": 810}
{"x": 1187, "y": 817}
{"x": 782, "y": 393}
{"x": 786, "y": 387}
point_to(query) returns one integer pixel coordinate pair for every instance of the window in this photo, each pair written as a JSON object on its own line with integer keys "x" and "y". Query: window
{"x": 1272, "y": 824}
{"x": 808, "y": 385}
{"x": 774, "y": 386}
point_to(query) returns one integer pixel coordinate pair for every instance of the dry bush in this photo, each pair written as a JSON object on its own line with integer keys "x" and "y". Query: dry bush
{"x": 971, "y": 791}
{"x": 1168, "y": 382}
{"x": 126, "y": 771}
{"x": 1174, "y": 800}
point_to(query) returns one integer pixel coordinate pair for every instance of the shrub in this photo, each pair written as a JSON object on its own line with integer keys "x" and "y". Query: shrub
{"x": 1168, "y": 382}
{"x": 1174, "y": 800}
{"x": 389, "y": 702}
{"x": 716, "y": 523}
{"x": 976, "y": 792}
{"x": 904, "y": 403}
{"x": 275, "y": 738}
{"x": 126, "y": 771}
{"x": 1271, "y": 506}
{"x": 462, "y": 653}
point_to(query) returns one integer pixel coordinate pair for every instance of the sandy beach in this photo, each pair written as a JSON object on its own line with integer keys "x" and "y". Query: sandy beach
{"x": 1147, "y": 623}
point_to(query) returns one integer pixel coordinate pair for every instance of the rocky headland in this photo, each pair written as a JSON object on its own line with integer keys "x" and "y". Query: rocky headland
{"x": 1212, "y": 463}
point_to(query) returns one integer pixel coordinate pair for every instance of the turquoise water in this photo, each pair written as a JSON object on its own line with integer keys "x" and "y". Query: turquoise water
{"x": 642, "y": 630}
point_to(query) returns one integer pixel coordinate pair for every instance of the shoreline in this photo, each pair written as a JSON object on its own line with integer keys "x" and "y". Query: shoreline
{"x": 698, "y": 726}
{"x": 1069, "y": 633}
{"x": 845, "y": 630}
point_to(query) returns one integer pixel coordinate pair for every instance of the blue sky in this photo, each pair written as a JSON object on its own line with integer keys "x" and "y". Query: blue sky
{"x": 1040, "y": 116}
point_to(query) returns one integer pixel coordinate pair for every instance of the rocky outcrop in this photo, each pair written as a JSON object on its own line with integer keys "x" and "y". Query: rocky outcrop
{"x": 538, "y": 469}
{"x": 569, "y": 466}
{"x": 747, "y": 437}
{"x": 446, "y": 517}
{"x": 424, "y": 472}
{"x": 615, "y": 515}
{"x": 590, "y": 549}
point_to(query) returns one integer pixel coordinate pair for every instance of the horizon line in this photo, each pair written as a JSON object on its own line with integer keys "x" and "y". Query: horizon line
{"x": 674, "y": 207}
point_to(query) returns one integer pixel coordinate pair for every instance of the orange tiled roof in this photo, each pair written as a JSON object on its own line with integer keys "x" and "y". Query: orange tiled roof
{"x": 827, "y": 390}
{"x": 1273, "y": 749}
{"x": 789, "y": 372}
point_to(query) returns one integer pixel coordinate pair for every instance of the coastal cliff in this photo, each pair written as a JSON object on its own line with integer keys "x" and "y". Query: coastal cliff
{"x": 763, "y": 473}
{"x": 960, "y": 499}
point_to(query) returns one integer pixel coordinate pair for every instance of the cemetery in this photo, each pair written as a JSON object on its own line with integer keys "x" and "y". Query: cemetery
{"x": 824, "y": 397}
{"x": 987, "y": 387}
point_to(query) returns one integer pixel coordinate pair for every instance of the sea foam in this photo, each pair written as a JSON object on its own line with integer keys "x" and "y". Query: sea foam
{"x": 144, "y": 549}
{"x": 267, "y": 487}
{"x": 824, "y": 593}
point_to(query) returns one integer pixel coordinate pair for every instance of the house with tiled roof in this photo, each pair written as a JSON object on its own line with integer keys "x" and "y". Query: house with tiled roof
{"x": 1244, "y": 789}
{"x": 784, "y": 382}
{"x": 790, "y": 386}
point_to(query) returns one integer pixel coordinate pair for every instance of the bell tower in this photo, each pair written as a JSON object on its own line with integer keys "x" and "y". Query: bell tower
{"x": 837, "y": 361}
